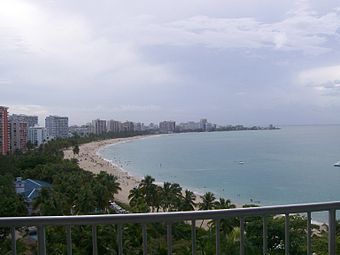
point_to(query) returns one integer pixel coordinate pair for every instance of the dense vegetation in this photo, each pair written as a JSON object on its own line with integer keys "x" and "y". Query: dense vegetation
{"x": 75, "y": 191}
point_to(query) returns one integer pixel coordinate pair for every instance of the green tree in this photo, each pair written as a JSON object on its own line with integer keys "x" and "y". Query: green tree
{"x": 188, "y": 201}
{"x": 150, "y": 191}
{"x": 76, "y": 149}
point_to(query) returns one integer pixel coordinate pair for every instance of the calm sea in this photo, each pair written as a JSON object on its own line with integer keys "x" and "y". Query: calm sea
{"x": 290, "y": 165}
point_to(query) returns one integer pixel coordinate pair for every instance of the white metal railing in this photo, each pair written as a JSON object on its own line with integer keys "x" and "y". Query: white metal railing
{"x": 171, "y": 217}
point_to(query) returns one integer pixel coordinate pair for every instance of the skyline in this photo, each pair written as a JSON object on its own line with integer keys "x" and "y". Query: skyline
{"x": 251, "y": 62}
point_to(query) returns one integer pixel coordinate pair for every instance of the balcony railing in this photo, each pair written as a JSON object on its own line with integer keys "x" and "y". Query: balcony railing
{"x": 171, "y": 217}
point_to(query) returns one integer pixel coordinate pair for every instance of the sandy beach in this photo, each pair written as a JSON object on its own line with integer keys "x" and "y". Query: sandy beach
{"x": 90, "y": 161}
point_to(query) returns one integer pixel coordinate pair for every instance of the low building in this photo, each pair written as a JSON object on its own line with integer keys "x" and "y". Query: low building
{"x": 30, "y": 189}
{"x": 83, "y": 130}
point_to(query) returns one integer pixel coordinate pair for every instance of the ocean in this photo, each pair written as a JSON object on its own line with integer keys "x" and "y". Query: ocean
{"x": 266, "y": 167}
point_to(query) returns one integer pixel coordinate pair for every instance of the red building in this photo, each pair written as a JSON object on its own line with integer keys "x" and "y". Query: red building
{"x": 4, "y": 131}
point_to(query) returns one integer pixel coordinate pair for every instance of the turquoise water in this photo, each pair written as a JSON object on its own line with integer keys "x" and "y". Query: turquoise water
{"x": 290, "y": 165}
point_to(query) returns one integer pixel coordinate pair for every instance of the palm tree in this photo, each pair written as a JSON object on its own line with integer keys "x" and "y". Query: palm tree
{"x": 208, "y": 203}
{"x": 110, "y": 182}
{"x": 76, "y": 149}
{"x": 149, "y": 190}
{"x": 135, "y": 195}
{"x": 224, "y": 204}
{"x": 188, "y": 199}
{"x": 227, "y": 224}
{"x": 166, "y": 196}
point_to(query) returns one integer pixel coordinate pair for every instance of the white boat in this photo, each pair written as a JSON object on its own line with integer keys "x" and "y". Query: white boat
{"x": 337, "y": 164}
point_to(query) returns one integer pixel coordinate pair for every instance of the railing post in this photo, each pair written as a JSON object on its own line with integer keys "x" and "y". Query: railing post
{"x": 265, "y": 235}
{"x": 145, "y": 239}
{"x": 309, "y": 233}
{"x": 287, "y": 234}
{"x": 218, "y": 237}
{"x": 94, "y": 240}
{"x": 41, "y": 240}
{"x": 332, "y": 232}
{"x": 13, "y": 241}
{"x": 169, "y": 238}
{"x": 193, "y": 237}
{"x": 69, "y": 239}
{"x": 120, "y": 239}
{"x": 241, "y": 235}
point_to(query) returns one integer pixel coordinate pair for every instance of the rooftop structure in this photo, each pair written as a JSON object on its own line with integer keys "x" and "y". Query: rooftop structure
{"x": 29, "y": 189}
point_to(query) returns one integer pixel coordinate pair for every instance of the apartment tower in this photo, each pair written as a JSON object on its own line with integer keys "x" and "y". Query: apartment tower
{"x": 4, "y": 131}
{"x": 57, "y": 127}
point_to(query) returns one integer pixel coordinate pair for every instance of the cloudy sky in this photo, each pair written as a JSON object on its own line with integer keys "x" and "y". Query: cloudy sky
{"x": 245, "y": 61}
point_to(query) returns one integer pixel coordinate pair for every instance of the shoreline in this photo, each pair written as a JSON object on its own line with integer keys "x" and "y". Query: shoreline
{"x": 90, "y": 160}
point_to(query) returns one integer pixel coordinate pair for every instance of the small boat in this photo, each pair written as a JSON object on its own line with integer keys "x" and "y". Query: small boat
{"x": 241, "y": 162}
{"x": 337, "y": 164}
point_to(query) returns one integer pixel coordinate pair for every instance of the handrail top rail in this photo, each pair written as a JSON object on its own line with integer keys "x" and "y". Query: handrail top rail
{"x": 169, "y": 216}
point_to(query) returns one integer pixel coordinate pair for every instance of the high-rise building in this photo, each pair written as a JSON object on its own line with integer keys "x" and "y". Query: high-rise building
{"x": 4, "y": 131}
{"x": 37, "y": 135}
{"x": 114, "y": 126}
{"x": 138, "y": 127}
{"x": 18, "y": 135}
{"x": 98, "y": 126}
{"x": 167, "y": 126}
{"x": 128, "y": 126}
{"x": 203, "y": 124}
{"x": 30, "y": 120}
{"x": 57, "y": 127}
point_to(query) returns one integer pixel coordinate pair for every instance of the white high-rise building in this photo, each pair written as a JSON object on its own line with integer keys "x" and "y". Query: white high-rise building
{"x": 167, "y": 126}
{"x": 114, "y": 126}
{"x": 37, "y": 135}
{"x": 203, "y": 124}
{"x": 98, "y": 127}
{"x": 57, "y": 127}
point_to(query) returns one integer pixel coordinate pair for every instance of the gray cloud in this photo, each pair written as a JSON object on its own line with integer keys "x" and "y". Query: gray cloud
{"x": 149, "y": 60}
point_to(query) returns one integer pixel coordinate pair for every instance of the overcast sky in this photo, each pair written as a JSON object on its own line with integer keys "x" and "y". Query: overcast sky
{"x": 235, "y": 61}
